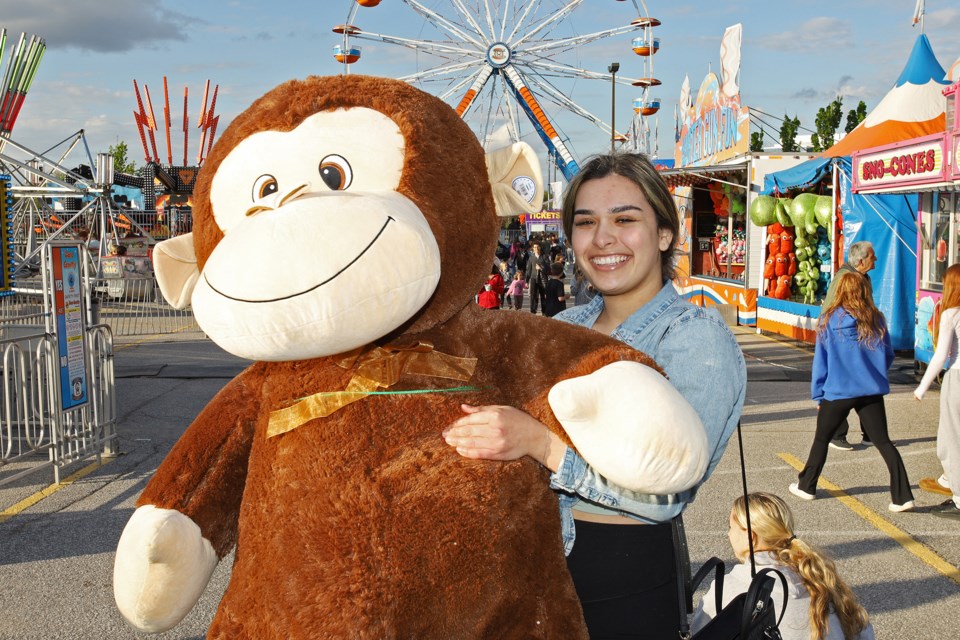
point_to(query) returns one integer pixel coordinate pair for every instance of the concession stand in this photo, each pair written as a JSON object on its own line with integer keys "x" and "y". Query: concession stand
{"x": 714, "y": 181}
{"x": 911, "y": 113}
{"x": 927, "y": 169}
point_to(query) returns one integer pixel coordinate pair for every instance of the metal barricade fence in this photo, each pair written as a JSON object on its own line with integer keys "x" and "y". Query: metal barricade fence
{"x": 133, "y": 306}
{"x": 34, "y": 433}
{"x": 26, "y": 444}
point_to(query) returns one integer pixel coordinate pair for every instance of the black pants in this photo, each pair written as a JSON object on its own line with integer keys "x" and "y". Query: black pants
{"x": 625, "y": 577}
{"x": 841, "y": 433}
{"x": 873, "y": 421}
{"x": 538, "y": 294}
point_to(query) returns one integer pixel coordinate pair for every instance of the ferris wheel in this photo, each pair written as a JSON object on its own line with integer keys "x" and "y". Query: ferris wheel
{"x": 510, "y": 67}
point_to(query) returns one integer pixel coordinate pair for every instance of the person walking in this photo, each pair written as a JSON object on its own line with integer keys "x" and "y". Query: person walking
{"x": 623, "y": 224}
{"x": 861, "y": 258}
{"x": 555, "y": 297}
{"x": 515, "y": 290}
{"x": 820, "y": 604}
{"x": 850, "y": 363}
{"x": 581, "y": 291}
{"x": 538, "y": 267}
{"x": 946, "y": 337}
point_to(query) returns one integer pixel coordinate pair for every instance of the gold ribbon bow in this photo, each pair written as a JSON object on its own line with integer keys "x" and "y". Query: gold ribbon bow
{"x": 376, "y": 368}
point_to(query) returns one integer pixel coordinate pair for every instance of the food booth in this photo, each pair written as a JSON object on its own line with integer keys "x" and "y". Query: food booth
{"x": 715, "y": 180}
{"x": 926, "y": 167}
{"x": 912, "y": 109}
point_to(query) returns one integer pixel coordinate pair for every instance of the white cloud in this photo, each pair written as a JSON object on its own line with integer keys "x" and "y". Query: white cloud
{"x": 97, "y": 25}
{"x": 816, "y": 34}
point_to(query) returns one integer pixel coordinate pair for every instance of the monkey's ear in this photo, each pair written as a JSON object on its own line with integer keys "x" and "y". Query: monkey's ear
{"x": 516, "y": 179}
{"x": 175, "y": 264}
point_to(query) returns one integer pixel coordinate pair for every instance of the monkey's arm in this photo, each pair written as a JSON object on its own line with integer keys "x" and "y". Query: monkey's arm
{"x": 627, "y": 421}
{"x": 186, "y": 518}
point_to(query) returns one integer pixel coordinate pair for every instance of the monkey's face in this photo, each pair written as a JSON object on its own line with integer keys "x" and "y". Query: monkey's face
{"x": 320, "y": 253}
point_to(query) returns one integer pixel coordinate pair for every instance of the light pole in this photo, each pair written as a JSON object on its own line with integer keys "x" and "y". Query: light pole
{"x": 613, "y": 68}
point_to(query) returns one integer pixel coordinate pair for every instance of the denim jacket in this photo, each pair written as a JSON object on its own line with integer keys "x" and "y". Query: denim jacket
{"x": 703, "y": 362}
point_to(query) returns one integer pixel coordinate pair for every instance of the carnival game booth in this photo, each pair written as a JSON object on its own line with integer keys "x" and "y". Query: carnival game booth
{"x": 913, "y": 108}
{"x": 928, "y": 168}
{"x": 720, "y": 252}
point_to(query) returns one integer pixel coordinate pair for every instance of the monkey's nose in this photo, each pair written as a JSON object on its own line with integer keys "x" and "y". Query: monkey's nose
{"x": 278, "y": 200}
{"x": 293, "y": 193}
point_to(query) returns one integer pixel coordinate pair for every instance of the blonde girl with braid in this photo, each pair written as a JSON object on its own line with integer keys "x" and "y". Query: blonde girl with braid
{"x": 820, "y": 605}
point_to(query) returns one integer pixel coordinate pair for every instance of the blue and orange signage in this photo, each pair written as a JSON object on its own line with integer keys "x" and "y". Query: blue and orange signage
{"x": 67, "y": 287}
{"x": 714, "y": 129}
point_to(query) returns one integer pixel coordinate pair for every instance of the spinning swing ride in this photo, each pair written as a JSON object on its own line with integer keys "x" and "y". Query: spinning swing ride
{"x": 493, "y": 60}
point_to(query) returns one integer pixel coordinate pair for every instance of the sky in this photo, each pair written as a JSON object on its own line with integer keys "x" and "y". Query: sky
{"x": 797, "y": 56}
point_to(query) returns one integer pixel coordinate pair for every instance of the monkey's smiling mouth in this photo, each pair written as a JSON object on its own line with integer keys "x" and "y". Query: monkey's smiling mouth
{"x": 314, "y": 287}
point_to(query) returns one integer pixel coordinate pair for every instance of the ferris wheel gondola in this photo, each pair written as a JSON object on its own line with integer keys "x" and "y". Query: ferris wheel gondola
{"x": 507, "y": 66}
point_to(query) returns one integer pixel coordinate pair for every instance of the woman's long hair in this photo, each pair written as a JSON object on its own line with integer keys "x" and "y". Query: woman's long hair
{"x": 772, "y": 524}
{"x": 854, "y": 297}
{"x": 951, "y": 295}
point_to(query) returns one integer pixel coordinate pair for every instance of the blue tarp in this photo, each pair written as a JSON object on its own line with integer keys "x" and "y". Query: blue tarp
{"x": 801, "y": 176}
{"x": 887, "y": 221}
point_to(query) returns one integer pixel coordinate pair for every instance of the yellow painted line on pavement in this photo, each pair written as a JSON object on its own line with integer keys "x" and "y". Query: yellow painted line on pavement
{"x": 915, "y": 547}
{"x": 28, "y": 502}
{"x": 153, "y": 337}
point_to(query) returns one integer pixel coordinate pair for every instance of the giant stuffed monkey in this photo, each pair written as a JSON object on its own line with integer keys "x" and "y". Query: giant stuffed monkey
{"x": 341, "y": 228}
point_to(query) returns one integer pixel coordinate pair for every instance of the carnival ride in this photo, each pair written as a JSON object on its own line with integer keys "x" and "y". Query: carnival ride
{"x": 175, "y": 181}
{"x": 493, "y": 59}
{"x": 47, "y": 195}
{"x": 57, "y": 195}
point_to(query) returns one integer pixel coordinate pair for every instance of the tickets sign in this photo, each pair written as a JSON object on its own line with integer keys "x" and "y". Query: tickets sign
{"x": 891, "y": 166}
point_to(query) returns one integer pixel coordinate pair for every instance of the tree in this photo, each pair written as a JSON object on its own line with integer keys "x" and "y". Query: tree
{"x": 788, "y": 133}
{"x": 120, "y": 162}
{"x": 827, "y": 122}
{"x": 855, "y": 117}
{"x": 756, "y": 141}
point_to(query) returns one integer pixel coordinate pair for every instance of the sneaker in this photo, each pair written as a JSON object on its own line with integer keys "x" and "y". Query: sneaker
{"x": 935, "y": 485}
{"x": 866, "y": 442}
{"x": 842, "y": 445}
{"x": 800, "y": 493}
{"x": 900, "y": 508}
{"x": 946, "y": 510}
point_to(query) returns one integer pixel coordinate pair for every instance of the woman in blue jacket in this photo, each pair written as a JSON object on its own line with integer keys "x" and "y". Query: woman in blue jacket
{"x": 850, "y": 366}
{"x": 623, "y": 226}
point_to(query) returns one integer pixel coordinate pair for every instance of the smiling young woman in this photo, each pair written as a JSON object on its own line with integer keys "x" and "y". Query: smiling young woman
{"x": 623, "y": 225}
{"x": 619, "y": 242}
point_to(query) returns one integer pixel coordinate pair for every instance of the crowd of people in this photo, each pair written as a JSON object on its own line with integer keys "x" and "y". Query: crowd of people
{"x": 621, "y": 222}
{"x": 535, "y": 269}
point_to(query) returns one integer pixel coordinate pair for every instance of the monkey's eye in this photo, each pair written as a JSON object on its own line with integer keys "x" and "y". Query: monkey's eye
{"x": 264, "y": 187}
{"x": 335, "y": 172}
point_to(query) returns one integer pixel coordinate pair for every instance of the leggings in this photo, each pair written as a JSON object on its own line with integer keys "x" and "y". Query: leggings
{"x": 873, "y": 421}
{"x": 948, "y": 433}
{"x": 626, "y": 579}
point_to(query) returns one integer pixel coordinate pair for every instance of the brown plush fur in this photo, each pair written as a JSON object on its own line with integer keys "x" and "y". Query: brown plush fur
{"x": 366, "y": 524}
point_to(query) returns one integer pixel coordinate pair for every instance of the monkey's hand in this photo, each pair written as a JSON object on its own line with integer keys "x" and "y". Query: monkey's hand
{"x": 163, "y": 563}
{"x": 633, "y": 427}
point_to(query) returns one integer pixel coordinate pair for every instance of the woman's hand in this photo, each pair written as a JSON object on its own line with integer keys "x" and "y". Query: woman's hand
{"x": 503, "y": 433}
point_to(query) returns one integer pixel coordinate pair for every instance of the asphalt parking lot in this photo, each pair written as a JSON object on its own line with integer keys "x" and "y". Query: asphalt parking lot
{"x": 57, "y": 542}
